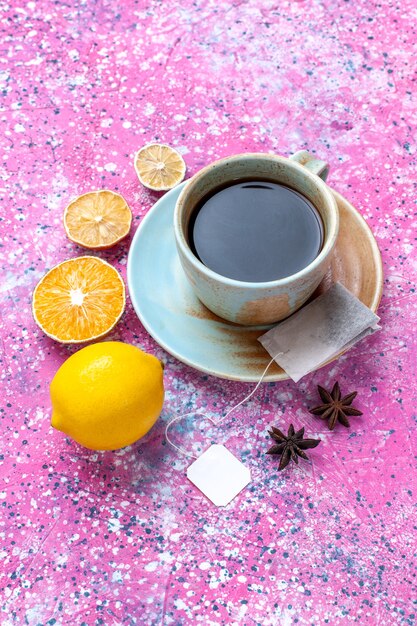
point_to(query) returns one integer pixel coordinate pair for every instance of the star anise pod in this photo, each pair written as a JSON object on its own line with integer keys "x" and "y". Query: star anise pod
{"x": 335, "y": 408}
{"x": 290, "y": 446}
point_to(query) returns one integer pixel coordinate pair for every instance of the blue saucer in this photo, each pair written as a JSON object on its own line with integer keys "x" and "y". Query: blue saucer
{"x": 184, "y": 327}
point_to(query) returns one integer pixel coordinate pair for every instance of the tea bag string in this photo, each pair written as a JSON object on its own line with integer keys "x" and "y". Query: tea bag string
{"x": 212, "y": 420}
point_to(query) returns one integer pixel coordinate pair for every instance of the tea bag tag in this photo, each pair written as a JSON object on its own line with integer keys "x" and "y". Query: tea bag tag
{"x": 217, "y": 472}
{"x": 219, "y": 475}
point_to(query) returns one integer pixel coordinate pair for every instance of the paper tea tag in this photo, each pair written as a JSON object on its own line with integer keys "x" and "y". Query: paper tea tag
{"x": 219, "y": 475}
{"x": 319, "y": 331}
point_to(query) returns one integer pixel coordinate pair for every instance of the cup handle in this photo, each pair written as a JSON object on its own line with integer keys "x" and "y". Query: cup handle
{"x": 316, "y": 166}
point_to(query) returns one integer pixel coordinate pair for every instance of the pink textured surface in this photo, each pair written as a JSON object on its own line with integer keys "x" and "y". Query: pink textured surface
{"x": 123, "y": 538}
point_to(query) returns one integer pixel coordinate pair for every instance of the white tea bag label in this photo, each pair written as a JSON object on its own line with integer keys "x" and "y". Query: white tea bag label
{"x": 219, "y": 475}
{"x": 319, "y": 331}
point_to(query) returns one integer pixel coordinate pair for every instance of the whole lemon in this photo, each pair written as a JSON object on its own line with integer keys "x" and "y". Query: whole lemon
{"x": 107, "y": 395}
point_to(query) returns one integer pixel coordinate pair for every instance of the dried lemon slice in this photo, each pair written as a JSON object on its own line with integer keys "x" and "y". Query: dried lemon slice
{"x": 79, "y": 300}
{"x": 98, "y": 219}
{"x": 159, "y": 167}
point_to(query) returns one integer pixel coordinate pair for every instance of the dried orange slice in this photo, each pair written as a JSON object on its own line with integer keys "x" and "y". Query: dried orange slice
{"x": 98, "y": 219}
{"x": 79, "y": 300}
{"x": 159, "y": 167}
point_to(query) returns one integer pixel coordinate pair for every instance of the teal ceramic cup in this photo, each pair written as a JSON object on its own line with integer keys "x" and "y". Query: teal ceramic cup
{"x": 257, "y": 303}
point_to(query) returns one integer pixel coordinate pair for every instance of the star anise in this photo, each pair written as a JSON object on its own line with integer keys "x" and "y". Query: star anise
{"x": 335, "y": 408}
{"x": 290, "y": 446}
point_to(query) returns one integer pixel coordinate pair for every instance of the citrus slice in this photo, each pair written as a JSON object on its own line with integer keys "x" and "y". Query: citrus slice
{"x": 159, "y": 167}
{"x": 98, "y": 219}
{"x": 79, "y": 300}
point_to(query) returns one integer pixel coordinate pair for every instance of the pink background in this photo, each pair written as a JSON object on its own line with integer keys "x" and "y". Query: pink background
{"x": 122, "y": 537}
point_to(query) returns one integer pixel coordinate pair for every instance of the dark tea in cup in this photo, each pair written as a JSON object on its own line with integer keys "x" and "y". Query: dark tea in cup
{"x": 255, "y": 234}
{"x": 255, "y": 231}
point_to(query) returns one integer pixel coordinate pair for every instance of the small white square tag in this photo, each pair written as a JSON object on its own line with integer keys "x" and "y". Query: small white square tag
{"x": 219, "y": 474}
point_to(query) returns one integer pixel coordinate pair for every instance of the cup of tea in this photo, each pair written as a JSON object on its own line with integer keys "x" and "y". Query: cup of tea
{"x": 255, "y": 233}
